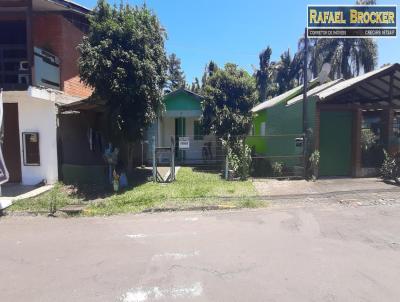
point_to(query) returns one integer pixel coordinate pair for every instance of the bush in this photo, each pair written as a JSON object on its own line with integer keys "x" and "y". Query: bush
{"x": 239, "y": 158}
{"x": 388, "y": 166}
{"x": 277, "y": 169}
{"x": 314, "y": 164}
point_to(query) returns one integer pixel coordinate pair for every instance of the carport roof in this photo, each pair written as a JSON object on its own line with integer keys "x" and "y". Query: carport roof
{"x": 381, "y": 85}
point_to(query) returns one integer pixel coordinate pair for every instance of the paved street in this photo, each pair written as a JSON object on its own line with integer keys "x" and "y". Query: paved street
{"x": 299, "y": 251}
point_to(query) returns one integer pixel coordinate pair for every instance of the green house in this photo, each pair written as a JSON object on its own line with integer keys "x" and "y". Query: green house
{"x": 351, "y": 122}
{"x": 181, "y": 121}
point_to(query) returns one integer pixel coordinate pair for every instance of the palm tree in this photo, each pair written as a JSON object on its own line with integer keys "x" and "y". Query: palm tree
{"x": 288, "y": 69}
{"x": 348, "y": 57}
{"x": 264, "y": 73}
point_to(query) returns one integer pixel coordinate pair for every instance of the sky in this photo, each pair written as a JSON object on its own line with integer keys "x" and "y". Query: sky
{"x": 237, "y": 30}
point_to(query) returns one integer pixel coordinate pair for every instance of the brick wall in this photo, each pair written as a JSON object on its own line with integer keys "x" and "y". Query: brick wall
{"x": 59, "y": 36}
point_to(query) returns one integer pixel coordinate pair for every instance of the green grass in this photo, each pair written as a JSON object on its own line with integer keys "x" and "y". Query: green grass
{"x": 41, "y": 203}
{"x": 191, "y": 188}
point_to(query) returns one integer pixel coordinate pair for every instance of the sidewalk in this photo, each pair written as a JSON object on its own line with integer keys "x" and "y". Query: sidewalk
{"x": 13, "y": 192}
{"x": 294, "y": 189}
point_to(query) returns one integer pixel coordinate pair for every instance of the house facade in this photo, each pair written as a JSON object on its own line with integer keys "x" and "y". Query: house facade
{"x": 181, "y": 121}
{"x": 38, "y": 72}
{"x": 351, "y": 122}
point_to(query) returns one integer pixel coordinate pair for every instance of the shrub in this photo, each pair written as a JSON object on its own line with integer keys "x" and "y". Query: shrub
{"x": 239, "y": 158}
{"x": 314, "y": 164}
{"x": 388, "y": 166}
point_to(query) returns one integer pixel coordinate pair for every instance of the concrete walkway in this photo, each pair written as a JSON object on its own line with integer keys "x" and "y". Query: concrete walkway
{"x": 12, "y": 192}
{"x": 302, "y": 188}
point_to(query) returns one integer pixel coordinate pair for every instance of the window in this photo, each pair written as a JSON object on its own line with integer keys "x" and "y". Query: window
{"x": 263, "y": 129}
{"x": 30, "y": 141}
{"x": 198, "y": 131}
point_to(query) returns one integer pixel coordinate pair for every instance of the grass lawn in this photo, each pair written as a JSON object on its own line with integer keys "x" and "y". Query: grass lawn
{"x": 191, "y": 188}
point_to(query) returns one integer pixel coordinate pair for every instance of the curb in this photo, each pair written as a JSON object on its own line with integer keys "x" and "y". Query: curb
{"x": 195, "y": 208}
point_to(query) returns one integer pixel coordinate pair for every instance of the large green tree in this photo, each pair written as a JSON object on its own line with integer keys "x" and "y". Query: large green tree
{"x": 123, "y": 58}
{"x": 176, "y": 76}
{"x": 229, "y": 93}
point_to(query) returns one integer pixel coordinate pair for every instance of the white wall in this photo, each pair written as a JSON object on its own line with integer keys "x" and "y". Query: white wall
{"x": 39, "y": 116}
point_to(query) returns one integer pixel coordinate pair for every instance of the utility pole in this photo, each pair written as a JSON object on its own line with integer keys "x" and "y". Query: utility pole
{"x": 305, "y": 119}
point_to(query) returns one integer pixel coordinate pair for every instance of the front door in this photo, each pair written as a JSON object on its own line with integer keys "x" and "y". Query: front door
{"x": 11, "y": 147}
{"x": 180, "y": 130}
{"x": 335, "y": 143}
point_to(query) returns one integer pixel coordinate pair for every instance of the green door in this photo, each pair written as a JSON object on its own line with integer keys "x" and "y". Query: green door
{"x": 180, "y": 130}
{"x": 335, "y": 143}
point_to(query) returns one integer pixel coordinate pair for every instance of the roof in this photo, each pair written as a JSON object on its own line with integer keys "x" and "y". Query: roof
{"x": 280, "y": 98}
{"x": 71, "y": 5}
{"x": 371, "y": 85}
{"x": 184, "y": 90}
{"x": 45, "y": 6}
{"x": 314, "y": 91}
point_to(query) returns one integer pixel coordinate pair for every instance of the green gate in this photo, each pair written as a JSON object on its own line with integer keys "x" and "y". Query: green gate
{"x": 335, "y": 143}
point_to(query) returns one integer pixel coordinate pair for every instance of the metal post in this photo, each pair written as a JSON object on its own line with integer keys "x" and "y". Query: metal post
{"x": 154, "y": 160}
{"x": 226, "y": 167}
{"x": 305, "y": 118}
{"x": 172, "y": 158}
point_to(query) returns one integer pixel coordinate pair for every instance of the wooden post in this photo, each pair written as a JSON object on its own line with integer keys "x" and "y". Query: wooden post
{"x": 305, "y": 118}
{"x": 29, "y": 40}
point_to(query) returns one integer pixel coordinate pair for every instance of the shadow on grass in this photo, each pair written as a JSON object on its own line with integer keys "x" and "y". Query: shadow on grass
{"x": 88, "y": 192}
{"x": 213, "y": 169}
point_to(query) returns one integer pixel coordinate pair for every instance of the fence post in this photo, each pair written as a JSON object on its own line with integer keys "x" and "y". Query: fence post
{"x": 172, "y": 158}
{"x": 226, "y": 167}
{"x": 154, "y": 159}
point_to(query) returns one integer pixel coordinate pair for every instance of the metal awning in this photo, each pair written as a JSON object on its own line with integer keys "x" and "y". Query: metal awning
{"x": 379, "y": 86}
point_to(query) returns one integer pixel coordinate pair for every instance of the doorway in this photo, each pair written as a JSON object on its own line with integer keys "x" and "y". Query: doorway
{"x": 180, "y": 130}
{"x": 11, "y": 146}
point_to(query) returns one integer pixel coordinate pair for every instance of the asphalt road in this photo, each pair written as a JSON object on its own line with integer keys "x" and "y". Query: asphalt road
{"x": 297, "y": 252}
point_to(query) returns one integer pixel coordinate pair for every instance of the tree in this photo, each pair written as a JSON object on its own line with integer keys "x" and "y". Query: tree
{"x": 348, "y": 57}
{"x": 288, "y": 72}
{"x": 195, "y": 86}
{"x": 210, "y": 68}
{"x": 265, "y": 75}
{"x": 123, "y": 59}
{"x": 230, "y": 94}
{"x": 176, "y": 77}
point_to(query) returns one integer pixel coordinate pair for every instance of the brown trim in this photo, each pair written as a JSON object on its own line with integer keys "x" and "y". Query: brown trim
{"x": 356, "y": 142}
{"x": 19, "y": 3}
{"x": 29, "y": 39}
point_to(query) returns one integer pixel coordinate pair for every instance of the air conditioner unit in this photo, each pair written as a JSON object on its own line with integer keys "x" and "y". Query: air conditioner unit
{"x": 23, "y": 79}
{"x": 23, "y": 65}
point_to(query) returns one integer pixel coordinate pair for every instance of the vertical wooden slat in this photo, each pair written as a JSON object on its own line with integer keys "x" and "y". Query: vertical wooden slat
{"x": 29, "y": 39}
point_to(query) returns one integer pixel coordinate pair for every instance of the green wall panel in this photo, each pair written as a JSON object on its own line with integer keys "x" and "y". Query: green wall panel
{"x": 182, "y": 101}
{"x": 335, "y": 143}
{"x": 283, "y": 125}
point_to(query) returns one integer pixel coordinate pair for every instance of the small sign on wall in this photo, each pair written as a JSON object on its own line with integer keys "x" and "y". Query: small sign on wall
{"x": 184, "y": 143}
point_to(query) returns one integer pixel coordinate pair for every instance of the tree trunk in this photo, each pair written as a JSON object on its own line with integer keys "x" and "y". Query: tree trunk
{"x": 130, "y": 156}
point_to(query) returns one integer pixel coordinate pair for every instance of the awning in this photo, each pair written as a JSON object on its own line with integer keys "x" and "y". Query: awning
{"x": 381, "y": 85}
